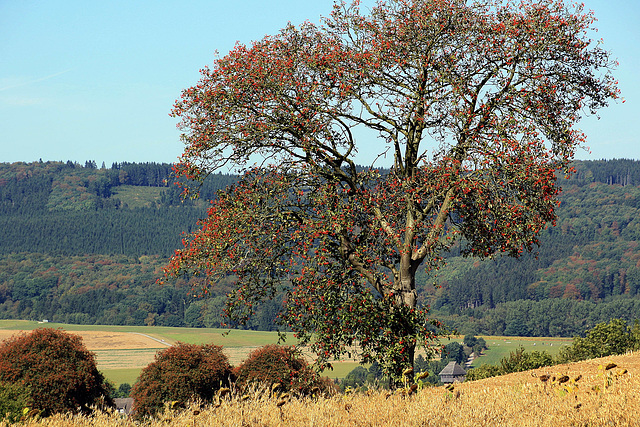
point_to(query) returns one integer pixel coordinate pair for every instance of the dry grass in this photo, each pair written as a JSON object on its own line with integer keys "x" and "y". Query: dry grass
{"x": 599, "y": 398}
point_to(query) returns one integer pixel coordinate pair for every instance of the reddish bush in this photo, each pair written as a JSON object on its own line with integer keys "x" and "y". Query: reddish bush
{"x": 273, "y": 364}
{"x": 57, "y": 369}
{"x": 182, "y": 373}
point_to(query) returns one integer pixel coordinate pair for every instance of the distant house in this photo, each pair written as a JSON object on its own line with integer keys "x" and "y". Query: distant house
{"x": 452, "y": 373}
{"x": 123, "y": 405}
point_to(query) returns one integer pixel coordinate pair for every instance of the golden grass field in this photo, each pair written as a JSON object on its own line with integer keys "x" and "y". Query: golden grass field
{"x": 104, "y": 340}
{"x": 599, "y": 398}
{"x": 520, "y": 399}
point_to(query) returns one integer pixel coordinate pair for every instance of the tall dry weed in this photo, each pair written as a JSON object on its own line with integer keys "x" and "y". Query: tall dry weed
{"x": 591, "y": 395}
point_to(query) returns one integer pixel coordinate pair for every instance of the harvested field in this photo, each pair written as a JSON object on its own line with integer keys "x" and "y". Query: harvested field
{"x": 237, "y": 355}
{"x": 130, "y": 348}
{"x": 103, "y": 340}
{"x": 124, "y": 359}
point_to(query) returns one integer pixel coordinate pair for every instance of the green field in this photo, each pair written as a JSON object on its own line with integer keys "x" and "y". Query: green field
{"x": 500, "y": 347}
{"x": 121, "y": 376}
{"x": 141, "y": 196}
{"x": 124, "y": 365}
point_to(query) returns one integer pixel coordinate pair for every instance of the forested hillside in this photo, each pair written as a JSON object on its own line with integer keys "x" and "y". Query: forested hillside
{"x": 587, "y": 269}
{"x": 65, "y": 208}
{"x": 82, "y": 244}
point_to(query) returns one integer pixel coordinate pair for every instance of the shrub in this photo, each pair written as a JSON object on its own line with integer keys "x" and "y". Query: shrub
{"x": 635, "y": 335}
{"x": 372, "y": 378}
{"x": 123, "y": 390}
{"x": 13, "y": 401}
{"x": 57, "y": 369}
{"x": 355, "y": 379}
{"x": 517, "y": 361}
{"x": 183, "y": 372}
{"x": 273, "y": 364}
{"x": 520, "y": 360}
{"x": 483, "y": 371}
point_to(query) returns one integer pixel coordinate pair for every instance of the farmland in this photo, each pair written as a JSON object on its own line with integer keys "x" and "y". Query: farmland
{"x": 122, "y": 351}
{"x": 500, "y": 347}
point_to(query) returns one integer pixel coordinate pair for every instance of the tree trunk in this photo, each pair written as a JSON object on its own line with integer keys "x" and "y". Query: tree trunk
{"x": 406, "y": 296}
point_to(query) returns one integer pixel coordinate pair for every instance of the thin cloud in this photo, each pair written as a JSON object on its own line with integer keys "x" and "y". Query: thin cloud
{"x": 30, "y": 82}
{"x": 22, "y": 102}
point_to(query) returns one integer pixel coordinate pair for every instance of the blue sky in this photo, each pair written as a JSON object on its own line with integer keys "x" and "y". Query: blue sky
{"x": 95, "y": 80}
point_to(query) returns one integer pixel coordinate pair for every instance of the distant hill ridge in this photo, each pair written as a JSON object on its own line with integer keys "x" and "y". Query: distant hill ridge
{"x": 66, "y": 208}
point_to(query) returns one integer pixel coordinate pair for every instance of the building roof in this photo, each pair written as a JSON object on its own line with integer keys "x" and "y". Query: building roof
{"x": 453, "y": 369}
{"x": 123, "y": 405}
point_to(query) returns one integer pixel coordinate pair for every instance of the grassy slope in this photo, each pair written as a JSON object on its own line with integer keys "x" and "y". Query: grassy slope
{"x": 520, "y": 399}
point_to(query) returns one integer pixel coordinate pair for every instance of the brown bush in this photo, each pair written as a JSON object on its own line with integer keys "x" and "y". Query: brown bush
{"x": 274, "y": 364}
{"x": 56, "y": 368}
{"x": 183, "y": 372}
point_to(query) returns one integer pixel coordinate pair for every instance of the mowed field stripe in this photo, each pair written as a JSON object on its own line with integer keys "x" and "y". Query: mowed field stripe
{"x": 124, "y": 359}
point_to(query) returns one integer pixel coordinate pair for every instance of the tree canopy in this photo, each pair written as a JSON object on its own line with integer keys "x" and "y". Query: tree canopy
{"x": 477, "y": 104}
{"x": 184, "y": 373}
{"x": 55, "y": 369}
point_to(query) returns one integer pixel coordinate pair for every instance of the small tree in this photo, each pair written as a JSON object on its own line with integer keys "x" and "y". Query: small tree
{"x": 470, "y": 340}
{"x": 483, "y": 371}
{"x": 482, "y": 343}
{"x": 283, "y": 365}
{"x": 123, "y": 390}
{"x": 454, "y": 351}
{"x": 520, "y": 360}
{"x": 477, "y": 350}
{"x": 475, "y": 102}
{"x": 57, "y": 369}
{"x": 604, "y": 339}
{"x": 517, "y": 361}
{"x": 183, "y": 372}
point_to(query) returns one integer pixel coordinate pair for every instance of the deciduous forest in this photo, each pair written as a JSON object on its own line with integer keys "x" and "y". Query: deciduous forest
{"x": 86, "y": 244}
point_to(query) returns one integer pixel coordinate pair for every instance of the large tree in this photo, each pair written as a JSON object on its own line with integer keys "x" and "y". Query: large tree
{"x": 474, "y": 103}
